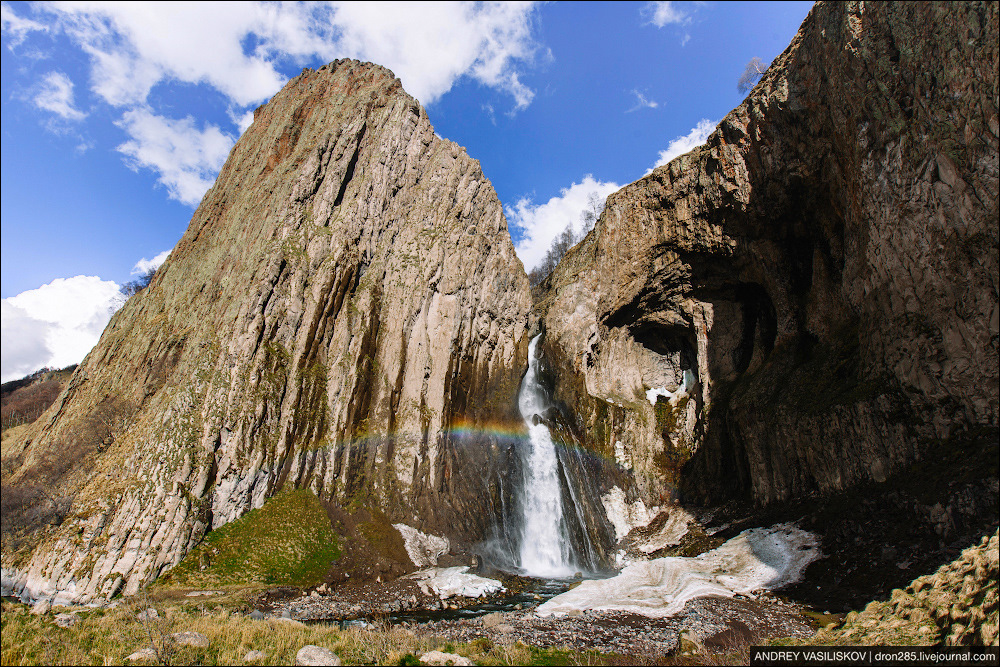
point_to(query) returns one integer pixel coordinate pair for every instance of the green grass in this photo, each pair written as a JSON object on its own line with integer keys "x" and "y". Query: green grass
{"x": 288, "y": 541}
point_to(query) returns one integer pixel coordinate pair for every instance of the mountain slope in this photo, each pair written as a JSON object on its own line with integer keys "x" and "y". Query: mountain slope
{"x": 345, "y": 301}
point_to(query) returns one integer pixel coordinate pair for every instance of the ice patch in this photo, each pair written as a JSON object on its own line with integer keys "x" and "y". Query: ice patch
{"x": 624, "y": 516}
{"x": 423, "y": 549}
{"x": 451, "y": 581}
{"x": 670, "y": 534}
{"x": 756, "y": 559}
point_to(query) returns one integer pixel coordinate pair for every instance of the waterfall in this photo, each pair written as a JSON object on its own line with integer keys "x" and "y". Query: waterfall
{"x": 545, "y": 544}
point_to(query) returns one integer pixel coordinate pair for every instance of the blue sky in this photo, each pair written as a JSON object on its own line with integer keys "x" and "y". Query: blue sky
{"x": 117, "y": 116}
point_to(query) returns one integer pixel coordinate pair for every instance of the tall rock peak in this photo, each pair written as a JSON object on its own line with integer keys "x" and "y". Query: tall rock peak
{"x": 345, "y": 297}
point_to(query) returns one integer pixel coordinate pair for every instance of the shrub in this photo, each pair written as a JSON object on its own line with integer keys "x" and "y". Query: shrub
{"x": 25, "y": 404}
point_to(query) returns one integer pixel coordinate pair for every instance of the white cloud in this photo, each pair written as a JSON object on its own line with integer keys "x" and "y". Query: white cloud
{"x": 56, "y": 95}
{"x": 539, "y": 224}
{"x": 56, "y": 324}
{"x": 430, "y": 46}
{"x": 241, "y": 119}
{"x": 664, "y": 13}
{"x": 236, "y": 48}
{"x": 15, "y": 27}
{"x": 145, "y": 265}
{"x": 642, "y": 102}
{"x": 186, "y": 158}
{"x": 490, "y": 113}
{"x": 134, "y": 46}
{"x": 24, "y": 348}
{"x": 682, "y": 144}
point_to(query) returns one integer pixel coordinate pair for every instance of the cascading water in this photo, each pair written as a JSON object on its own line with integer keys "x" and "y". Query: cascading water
{"x": 545, "y": 545}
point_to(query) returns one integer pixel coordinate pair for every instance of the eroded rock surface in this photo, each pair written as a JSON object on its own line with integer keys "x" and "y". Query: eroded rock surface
{"x": 345, "y": 298}
{"x": 825, "y": 266}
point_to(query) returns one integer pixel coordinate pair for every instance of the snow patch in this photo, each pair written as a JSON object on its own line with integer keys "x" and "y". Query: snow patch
{"x": 756, "y": 559}
{"x": 624, "y": 516}
{"x": 672, "y": 396}
{"x": 620, "y": 457}
{"x": 451, "y": 581}
{"x": 423, "y": 549}
{"x": 670, "y": 534}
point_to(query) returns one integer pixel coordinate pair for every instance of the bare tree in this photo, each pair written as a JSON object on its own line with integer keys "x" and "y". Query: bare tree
{"x": 560, "y": 245}
{"x": 567, "y": 239}
{"x": 751, "y": 75}
{"x": 133, "y": 287}
{"x": 595, "y": 206}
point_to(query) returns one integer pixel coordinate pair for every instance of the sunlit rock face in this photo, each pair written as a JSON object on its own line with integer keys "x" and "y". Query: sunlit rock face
{"x": 345, "y": 312}
{"x": 826, "y": 265}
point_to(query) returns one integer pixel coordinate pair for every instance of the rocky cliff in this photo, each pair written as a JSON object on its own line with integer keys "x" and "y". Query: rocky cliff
{"x": 345, "y": 313}
{"x": 824, "y": 268}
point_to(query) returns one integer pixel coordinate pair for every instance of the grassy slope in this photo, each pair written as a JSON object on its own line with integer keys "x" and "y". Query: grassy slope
{"x": 288, "y": 541}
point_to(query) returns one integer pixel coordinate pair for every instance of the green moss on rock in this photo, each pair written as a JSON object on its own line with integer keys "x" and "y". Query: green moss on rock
{"x": 288, "y": 541}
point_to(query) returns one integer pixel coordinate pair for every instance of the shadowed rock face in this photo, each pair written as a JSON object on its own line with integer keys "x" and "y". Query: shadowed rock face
{"x": 827, "y": 264}
{"x": 345, "y": 297}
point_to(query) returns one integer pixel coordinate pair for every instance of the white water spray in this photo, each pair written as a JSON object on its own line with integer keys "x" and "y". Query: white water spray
{"x": 545, "y": 550}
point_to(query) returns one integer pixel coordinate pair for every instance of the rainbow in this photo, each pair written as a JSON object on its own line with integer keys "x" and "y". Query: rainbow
{"x": 469, "y": 432}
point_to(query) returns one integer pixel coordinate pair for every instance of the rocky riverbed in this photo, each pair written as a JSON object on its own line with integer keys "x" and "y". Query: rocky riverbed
{"x": 715, "y": 623}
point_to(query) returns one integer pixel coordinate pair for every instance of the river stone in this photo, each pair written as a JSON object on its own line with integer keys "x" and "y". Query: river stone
{"x": 142, "y": 655}
{"x": 254, "y": 656}
{"x": 66, "y": 620}
{"x": 190, "y": 638}
{"x": 440, "y": 658}
{"x": 316, "y": 655}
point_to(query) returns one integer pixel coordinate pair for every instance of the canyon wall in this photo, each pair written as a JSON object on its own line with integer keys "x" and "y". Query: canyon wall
{"x": 806, "y": 303}
{"x": 825, "y": 267}
{"x": 345, "y": 313}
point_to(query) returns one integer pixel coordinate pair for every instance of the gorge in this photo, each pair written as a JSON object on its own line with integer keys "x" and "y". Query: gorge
{"x": 794, "y": 323}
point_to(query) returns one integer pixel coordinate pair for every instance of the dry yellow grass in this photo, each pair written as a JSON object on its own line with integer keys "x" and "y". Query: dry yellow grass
{"x": 108, "y": 636}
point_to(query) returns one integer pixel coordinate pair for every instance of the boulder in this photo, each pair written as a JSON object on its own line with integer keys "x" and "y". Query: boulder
{"x": 316, "y": 655}
{"x": 441, "y": 658}
{"x": 142, "y": 655}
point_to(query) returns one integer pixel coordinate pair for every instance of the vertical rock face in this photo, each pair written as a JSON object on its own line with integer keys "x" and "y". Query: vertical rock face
{"x": 826, "y": 266}
{"x": 345, "y": 304}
